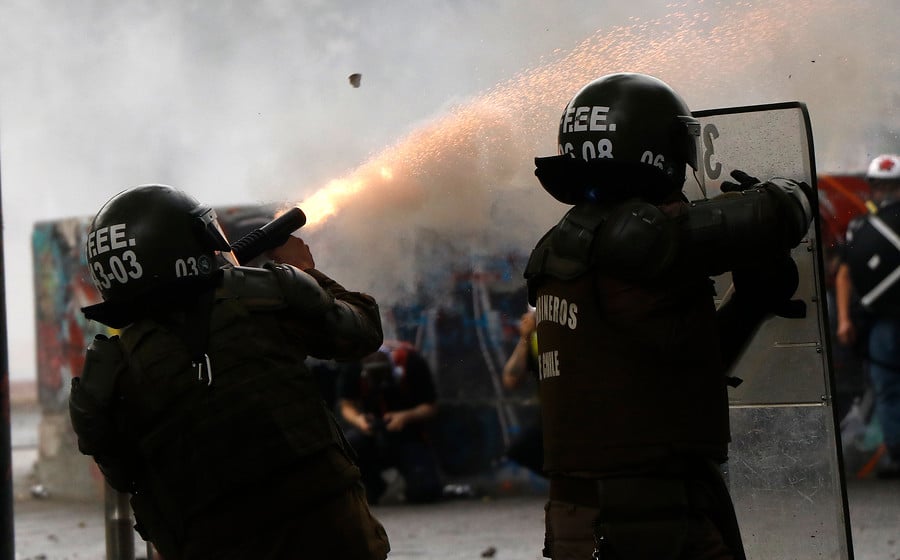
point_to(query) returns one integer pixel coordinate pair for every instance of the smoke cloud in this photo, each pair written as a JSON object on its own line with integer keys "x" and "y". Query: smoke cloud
{"x": 244, "y": 103}
{"x": 467, "y": 176}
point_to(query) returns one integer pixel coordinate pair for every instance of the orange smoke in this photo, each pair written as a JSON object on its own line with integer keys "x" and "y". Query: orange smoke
{"x": 498, "y": 132}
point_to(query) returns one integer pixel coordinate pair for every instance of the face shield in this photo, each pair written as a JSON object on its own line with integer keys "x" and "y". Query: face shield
{"x": 211, "y": 234}
{"x": 690, "y": 130}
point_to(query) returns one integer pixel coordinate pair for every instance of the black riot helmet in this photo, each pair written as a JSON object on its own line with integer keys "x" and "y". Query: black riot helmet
{"x": 150, "y": 241}
{"x": 622, "y": 135}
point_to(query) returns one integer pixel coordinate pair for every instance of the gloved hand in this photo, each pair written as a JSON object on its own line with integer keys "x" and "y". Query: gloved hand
{"x": 770, "y": 286}
{"x": 744, "y": 182}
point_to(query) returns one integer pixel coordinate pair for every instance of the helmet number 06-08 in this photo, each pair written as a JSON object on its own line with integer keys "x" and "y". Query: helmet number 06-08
{"x": 659, "y": 160}
{"x": 588, "y": 151}
{"x": 120, "y": 269}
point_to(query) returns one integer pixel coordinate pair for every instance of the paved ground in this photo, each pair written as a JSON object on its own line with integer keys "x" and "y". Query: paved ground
{"x": 511, "y": 527}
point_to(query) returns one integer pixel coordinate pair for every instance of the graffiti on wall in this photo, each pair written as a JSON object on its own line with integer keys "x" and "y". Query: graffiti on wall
{"x": 62, "y": 287}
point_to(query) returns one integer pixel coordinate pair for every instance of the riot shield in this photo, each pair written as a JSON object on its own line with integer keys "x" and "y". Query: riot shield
{"x": 785, "y": 467}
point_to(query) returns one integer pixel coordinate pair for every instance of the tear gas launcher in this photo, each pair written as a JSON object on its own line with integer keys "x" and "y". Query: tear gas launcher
{"x": 269, "y": 236}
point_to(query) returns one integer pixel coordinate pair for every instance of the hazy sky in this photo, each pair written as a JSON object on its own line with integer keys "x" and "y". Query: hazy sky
{"x": 245, "y": 102}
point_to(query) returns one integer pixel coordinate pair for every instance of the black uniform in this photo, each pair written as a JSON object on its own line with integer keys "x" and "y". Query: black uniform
{"x": 633, "y": 377}
{"x": 244, "y": 461}
{"x": 633, "y": 353}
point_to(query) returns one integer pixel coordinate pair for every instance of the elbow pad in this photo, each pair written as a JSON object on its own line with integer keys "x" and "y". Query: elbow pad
{"x": 282, "y": 286}
{"x": 301, "y": 291}
{"x": 793, "y": 202}
{"x": 746, "y": 228}
{"x": 275, "y": 286}
{"x": 304, "y": 295}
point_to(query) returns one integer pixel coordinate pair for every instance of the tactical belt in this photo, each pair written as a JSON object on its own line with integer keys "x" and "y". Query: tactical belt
{"x": 673, "y": 492}
{"x": 667, "y": 483}
{"x": 631, "y": 497}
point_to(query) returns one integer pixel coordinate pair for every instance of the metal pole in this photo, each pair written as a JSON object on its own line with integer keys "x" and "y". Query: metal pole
{"x": 7, "y": 534}
{"x": 119, "y": 525}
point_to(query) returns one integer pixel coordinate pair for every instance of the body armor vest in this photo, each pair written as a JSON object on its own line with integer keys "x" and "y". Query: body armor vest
{"x": 630, "y": 372}
{"x": 195, "y": 442}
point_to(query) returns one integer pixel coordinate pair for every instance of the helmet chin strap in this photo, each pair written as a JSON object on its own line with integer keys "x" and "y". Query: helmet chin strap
{"x": 700, "y": 184}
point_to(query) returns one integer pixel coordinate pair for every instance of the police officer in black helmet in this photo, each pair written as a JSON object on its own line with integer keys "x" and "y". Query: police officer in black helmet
{"x": 202, "y": 408}
{"x": 634, "y": 396}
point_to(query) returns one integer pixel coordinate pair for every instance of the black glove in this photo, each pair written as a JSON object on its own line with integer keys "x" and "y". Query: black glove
{"x": 744, "y": 182}
{"x": 770, "y": 286}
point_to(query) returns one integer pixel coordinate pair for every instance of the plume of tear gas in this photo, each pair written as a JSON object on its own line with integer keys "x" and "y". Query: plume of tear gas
{"x": 464, "y": 181}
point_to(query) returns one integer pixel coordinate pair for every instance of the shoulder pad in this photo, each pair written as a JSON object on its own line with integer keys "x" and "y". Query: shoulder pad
{"x": 538, "y": 256}
{"x": 637, "y": 242}
{"x": 565, "y": 252}
{"x": 567, "y": 248}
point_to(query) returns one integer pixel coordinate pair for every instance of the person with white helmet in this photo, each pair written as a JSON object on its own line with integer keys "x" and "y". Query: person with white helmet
{"x": 869, "y": 273}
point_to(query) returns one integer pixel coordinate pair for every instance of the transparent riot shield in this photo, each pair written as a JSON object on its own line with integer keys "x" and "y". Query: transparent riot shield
{"x": 785, "y": 468}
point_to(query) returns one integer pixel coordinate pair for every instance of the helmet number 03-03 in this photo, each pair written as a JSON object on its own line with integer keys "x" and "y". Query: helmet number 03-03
{"x": 192, "y": 266}
{"x": 119, "y": 268}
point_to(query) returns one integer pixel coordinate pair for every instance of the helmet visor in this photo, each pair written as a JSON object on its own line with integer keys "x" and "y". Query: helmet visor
{"x": 211, "y": 234}
{"x": 689, "y": 129}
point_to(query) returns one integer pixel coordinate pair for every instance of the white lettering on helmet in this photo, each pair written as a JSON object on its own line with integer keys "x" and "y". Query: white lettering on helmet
{"x": 587, "y": 119}
{"x": 108, "y": 238}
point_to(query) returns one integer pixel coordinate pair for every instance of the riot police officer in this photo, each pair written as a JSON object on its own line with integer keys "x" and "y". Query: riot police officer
{"x": 633, "y": 354}
{"x": 870, "y": 267}
{"x": 202, "y": 408}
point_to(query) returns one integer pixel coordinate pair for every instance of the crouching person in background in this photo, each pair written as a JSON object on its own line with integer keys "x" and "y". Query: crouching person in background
{"x": 387, "y": 399}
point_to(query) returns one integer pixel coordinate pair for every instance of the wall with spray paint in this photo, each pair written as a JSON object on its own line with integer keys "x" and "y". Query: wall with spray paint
{"x": 62, "y": 286}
